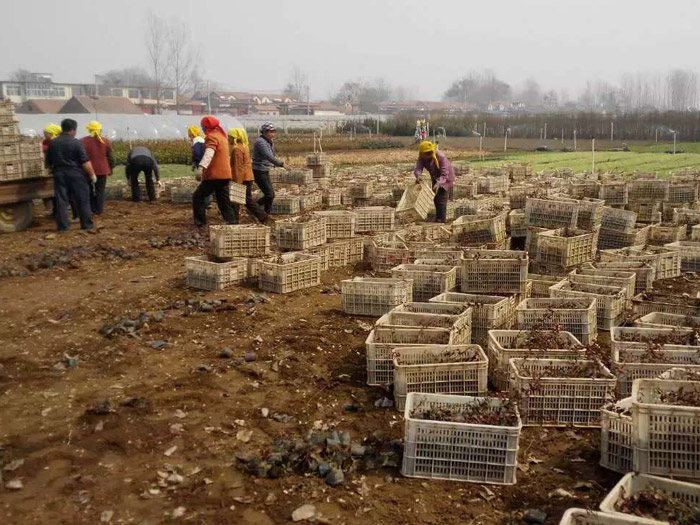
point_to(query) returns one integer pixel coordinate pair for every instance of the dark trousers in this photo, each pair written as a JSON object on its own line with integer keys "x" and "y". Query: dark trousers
{"x": 440, "y": 201}
{"x": 72, "y": 184}
{"x": 97, "y": 196}
{"x": 251, "y": 204}
{"x": 219, "y": 187}
{"x": 133, "y": 170}
{"x": 262, "y": 179}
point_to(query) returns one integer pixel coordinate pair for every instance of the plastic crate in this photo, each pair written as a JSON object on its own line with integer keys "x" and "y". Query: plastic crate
{"x": 577, "y": 316}
{"x": 211, "y": 275}
{"x": 646, "y": 303}
{"x": 383, "y": 341}
{"x": 375, "y": 219}
{"x": 497, "y": 183}
{"x": 679, "y": 192}
{"x": 356, "y": 249}
{"x": 516, "y": 225}
{"x": 590, "y": 517}
{"x": 182, "y": 193}
{"x": 236, "y": 193}
{"x": 374, "y": 296}
{"x": 428, "y": 281}
{"x": 646, "y": 211}
{"x": 667, "y": 263}
{"x": 454, "y": 317}
{"x": 293, "y": 176}
{"x": 416, "y": 202}
{"x": 479, "y": 229}
{"x": 648, "y": 191}
{"x": 616, "y": 436}
{"x": 645, "y": 274}
{"x": 458, "y": 451}
{"x": 333, "y": 255}
{"x": 385, "y": 255}
{"x": 289, "y": 272}
{"x": 504, "y": 345}
{"x": 116, "y": 192}
{"x": 315, "y": 159}
{"x": 310, "y": 201}
{"x": 551, "y": 213}
{"x": 664, "y": 320}
{"x": 239, "y": 240}
{"x": 624, "y": 280}
{"x": 610, "y": 300}
{"x": 361, "y": 190}
{"x": 339, "y": 224}
{"x": 667, "y": 437}
{"x": 686, "y": 216}
{"x": 294, "y": 234}
{"x": 465, "y": 189}
{"x": 489, "y": 312}
{"x": 494, "y": 271}
{"x": 449, "y": 369}
{"x": 321, "y": 171}
{"x": 590, "y": 213}
{"x": 560, "y": 401}
{"x": 614, "y": 193}
{"x": 610, "y": 239}
{"x": 633, "y": 483}
{"x": 564, "y": 248}
{"x": 617, "y": 220}
{"x": 542, "y": 283}
{"x": 689, "y": 253}
{"x": 333, "y": 197}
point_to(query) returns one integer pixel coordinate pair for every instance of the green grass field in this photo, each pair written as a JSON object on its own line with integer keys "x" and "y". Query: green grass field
{"x": 604, "y": 160}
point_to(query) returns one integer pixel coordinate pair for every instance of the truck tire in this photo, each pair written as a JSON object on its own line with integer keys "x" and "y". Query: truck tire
{"x": 16, "y": 217}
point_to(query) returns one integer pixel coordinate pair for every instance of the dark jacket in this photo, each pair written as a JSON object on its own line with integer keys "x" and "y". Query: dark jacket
{"x": 66, "y": 154}
{"x": 142, "y": 156}
{"x": 264, "y": 155}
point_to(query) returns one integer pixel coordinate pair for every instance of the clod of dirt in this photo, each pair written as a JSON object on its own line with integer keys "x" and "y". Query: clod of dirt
{"x": 100, "y": 409}
{"x": 157, "y": 345}
{"x": 535, "y": 516}
{"x": 14, "y": 484}
{"x": 250, "y": 357}
{"x": 384, "y": 402}
{"x": 305, "y": 512}
{"x": 335, "y": 477}
{"x": 226, "y": 353}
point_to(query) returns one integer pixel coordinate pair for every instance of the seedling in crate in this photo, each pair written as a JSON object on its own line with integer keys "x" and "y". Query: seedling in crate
{"x": 479, "y": 413}
{"x": 659, "y": 505}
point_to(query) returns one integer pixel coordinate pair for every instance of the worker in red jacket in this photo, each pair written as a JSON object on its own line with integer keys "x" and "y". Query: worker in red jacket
{"x": 99, "y": 151}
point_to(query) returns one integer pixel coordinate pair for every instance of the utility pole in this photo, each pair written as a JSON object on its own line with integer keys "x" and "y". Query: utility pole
{"x": 545, "y": 131}
{"x": 308, "y": 101}
{"x": 593, "y": 152}
{"x": 484, "y": 133}
{"x": 674, "y": 142}
{"x": 612, "y": 131}
{"x": 574, "y": 140}
{"x": 505, "y": 140}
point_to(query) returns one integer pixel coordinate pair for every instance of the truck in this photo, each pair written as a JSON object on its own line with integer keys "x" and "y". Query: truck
{"x": 17, "y": 199}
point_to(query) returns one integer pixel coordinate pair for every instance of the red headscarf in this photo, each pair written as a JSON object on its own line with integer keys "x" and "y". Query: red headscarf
{"x": 210, "y": 123}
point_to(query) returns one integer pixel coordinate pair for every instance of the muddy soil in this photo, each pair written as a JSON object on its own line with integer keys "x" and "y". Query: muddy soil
{"x": 142, "y": 426}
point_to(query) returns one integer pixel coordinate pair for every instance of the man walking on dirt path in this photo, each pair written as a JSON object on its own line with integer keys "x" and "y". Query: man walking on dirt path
{"x": 264, "y": 159}
{"x": 214, "y": 172}
{"x": 140, "y": 159}
{"x": 72, "y": 174}
{"x": 442, "y": 175}
{"x": 99, "y": 150}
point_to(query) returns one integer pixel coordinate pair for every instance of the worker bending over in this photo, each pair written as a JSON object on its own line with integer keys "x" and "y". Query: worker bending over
{"x": 442, "y": 175}
{"x": 72, "y": 175}
{"x": 214, "y": 172}
{"x": 140, "y": 159}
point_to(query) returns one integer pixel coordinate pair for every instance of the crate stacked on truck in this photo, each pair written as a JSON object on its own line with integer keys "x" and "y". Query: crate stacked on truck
{"x": 20, "y": 158}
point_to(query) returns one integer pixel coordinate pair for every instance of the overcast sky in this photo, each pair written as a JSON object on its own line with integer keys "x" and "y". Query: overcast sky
{"x": 423, "y": 45}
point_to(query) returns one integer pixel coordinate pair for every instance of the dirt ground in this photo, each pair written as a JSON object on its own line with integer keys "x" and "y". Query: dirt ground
{"x": 95, "y": 428}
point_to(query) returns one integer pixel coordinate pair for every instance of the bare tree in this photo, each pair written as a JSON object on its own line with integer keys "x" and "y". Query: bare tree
{"x": 21, "y": 75}
{"x": 531, "y": 94}
{"x": 182, "y": 60}
{"x": 681, "y": 89}
{"x": 156, "y": 46}
{"x": 298, "y": 81}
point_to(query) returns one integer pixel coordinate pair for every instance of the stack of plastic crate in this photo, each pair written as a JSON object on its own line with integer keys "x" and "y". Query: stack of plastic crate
{"x": 664, "y": 320}
{"x": 455, "y": 317}
{"x": 648, "y": 302}
{"x": 310, "y": 201}
{"x": 624, "y": 280}
{"x": 448, "y": 369}
{"x": 561, "y": 392}
{"x": 558, "y": 251}
{"x": 584, "y": 188}
{"x": 541, "y": 284}
{"x": 667, "y": 263}
{"x": 647, "y": 212}
{"x": 645, "y": 274}
{"x": 289, "y": 272}
{"x": 689, "y": 252}
{"x": 577, "y": 316}
{"x": 494, "y": 271}
{"x": 339, "y": 224}
{"x": 332, "y": 197}
{"x": 661, "y": 234}
{"x": 361, "y": 189}
{"x": 300, "y": 233}
{"x": 614, "y": 193}
{"x": 515, "y": 225}
{"x": 286, "y": 205}
{"x": 440, "y": 448}
{"x": 465, "y": 188}
{"x": 239, "y": 240}
{"x": 504, "y": 345}
{"x": 384, "y": 255}
{"x": 318, "y": 164}
{"x": 19, "y": 158}
{"x": 648, "y": 190}
{"x": 590, "y": 213}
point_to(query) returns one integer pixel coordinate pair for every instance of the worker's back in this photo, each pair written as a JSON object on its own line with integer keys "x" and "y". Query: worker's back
{"x": 140, "y": 151}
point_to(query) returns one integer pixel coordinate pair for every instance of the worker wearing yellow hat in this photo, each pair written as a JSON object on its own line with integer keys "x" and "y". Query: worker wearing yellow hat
{"x": 442, "y": 175}
{"x": 99, "y": 151}
{"x": 242, "y": 171}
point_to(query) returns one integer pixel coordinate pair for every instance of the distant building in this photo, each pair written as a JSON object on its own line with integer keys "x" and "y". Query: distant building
{"x": 269, "y": 110}
{"x": 41, "y": 86}
{"x": 40, "y": 106}
{"x": 98, "y": 105}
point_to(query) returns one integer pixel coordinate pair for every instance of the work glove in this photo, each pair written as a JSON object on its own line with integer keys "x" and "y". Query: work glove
{"x": 93, "y": 179}
{"x": 198, "y": 174}
{"x": 160, "y": 183}
{"x": 436, "y": 187}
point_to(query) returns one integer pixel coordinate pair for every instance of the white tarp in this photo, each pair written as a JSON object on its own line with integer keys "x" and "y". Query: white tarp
{"x": 123, "y": 127}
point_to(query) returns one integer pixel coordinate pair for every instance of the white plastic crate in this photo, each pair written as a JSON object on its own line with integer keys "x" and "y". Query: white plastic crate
{"x": 428, "y": 281}
{"x": 504, "y": 345}
{"x": 449, "y": 369}
{"x": 239, "y": 240}
{"x": 416, "y": 202}
{"x": 458, "y": 451}
{"x": 300, "y": 234}
{"x": 286, "y": 205}
{"x": 577, "y": 316}
{"x": 374, "y": 296}
{"x": 616, "y": 436}
{"x": 289, "y": 272}
{"x": 610, "y": 300}
{"x": 550, "y": 400}
{"x": 489, "y": 312}
{"x": 624, "y": 280}
{"x": 382, "y": 342}
{"x": 542, "y": 283}
{"x": 479, "y": 229}
{"x": 632, "y": 484}
{"x": 494, "y": 271}
{"x": 236, "y": 192}
{"x": 356, "y": 249}
{"x": 385, "y": 255}
{"x": 375, "y": 219}
{"x": 339, "y": 224}
{"x": 664, "y": 320}
{"x": 591, "y": 517}
{"x": 211, "y": 275}
{"x": 455, "y": 317}
{"x": 551, "y": 213}
{"x": 667, "y": 437}
{"x": 645, "y": 273}
{"x": 564, "y": 248}
{"x": 310, "y": 201}
{"x": 333, "y": 255}
{"x": 332, "y": 197}
{"x": 648, "y": 302}
{"x": 666, "y": 263}
{"x": 689, "y": 252}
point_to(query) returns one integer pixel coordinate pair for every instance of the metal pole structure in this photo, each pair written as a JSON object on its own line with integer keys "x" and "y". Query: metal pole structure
{"x": 545, "y": 131}
{"x": 674, "y": 142}
{"x": 505, "y": 141}
{"x": 593, "y": 152}
{"x": 574, "y": 140}
{"x": 612, "y": 131}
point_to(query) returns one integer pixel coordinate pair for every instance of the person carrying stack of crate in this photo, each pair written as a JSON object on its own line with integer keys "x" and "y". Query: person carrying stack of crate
{"x": 441, "y": 172}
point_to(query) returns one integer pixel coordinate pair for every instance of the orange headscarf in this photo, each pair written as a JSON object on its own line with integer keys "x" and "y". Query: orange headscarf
{"x": 210, "y": 123}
